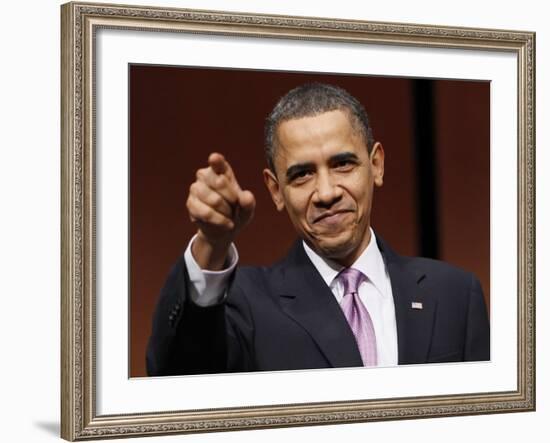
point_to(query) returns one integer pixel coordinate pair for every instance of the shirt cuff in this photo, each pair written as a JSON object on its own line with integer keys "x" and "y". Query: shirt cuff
{"x": 209, "y": 288}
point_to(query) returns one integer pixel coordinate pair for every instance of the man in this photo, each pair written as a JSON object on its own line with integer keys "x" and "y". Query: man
{"x": 341, "y": 297}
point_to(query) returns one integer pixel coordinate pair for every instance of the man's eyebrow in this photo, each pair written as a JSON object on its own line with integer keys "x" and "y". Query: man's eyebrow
{"x": 292, "y": 171}
{"x": 296, "y": 169}
{"x": 343, "y": 156}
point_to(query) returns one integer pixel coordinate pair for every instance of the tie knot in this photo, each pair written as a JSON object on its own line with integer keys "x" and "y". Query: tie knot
{"x": 351, "y": 279}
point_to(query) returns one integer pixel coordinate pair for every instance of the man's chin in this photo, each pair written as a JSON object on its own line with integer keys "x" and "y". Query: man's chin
{"x": 334, "y": 250}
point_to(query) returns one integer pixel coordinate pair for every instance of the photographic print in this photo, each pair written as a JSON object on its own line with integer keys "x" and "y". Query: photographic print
{"x": 442, "y": 168}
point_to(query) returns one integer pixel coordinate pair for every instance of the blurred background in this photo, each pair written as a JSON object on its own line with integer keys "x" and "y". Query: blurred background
{"x": 434, "y": 203}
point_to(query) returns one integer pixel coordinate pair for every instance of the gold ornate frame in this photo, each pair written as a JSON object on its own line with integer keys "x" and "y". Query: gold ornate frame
{"x": 80, "y": 21}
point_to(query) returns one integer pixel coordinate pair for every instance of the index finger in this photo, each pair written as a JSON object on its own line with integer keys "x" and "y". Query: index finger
{"x": 220, "y": 165}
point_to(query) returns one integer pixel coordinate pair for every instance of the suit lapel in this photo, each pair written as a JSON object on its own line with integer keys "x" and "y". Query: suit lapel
{"x": 415, "y": 306}
{"x": 309, "y": 301}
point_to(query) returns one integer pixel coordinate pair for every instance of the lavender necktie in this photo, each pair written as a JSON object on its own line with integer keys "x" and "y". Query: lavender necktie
{"x": 357, "y": 315}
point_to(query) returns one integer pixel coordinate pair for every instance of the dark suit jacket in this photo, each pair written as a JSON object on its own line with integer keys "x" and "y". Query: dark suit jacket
{"x": 286, "y": 317}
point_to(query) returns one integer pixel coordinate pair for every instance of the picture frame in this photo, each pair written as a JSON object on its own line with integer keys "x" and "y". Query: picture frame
{"x": 82, "y": 234}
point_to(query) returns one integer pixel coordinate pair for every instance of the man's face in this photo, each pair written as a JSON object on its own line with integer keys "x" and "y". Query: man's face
{"x": 325, "y": 178}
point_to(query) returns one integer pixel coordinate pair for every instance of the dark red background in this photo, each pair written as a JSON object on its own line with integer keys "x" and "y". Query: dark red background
{"x": 179, "y": 115}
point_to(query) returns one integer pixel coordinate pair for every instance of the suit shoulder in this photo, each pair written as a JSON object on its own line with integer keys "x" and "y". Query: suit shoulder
{"x": 264, "y": 280}
{"x": 439, "y": 269}
{"x": 254, "y": 276}
{"x": 251, "y": 273}
{"x": 431, "y": 263}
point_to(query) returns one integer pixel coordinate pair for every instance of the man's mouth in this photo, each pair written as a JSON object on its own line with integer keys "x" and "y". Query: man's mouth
{"x": 330, "y": 216}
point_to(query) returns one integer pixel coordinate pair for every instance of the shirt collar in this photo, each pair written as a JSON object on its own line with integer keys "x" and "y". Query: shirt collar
{"x": 370, "y": 263}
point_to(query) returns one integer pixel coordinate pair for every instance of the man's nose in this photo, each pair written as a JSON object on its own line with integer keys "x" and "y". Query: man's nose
{"x": 327, "y": 190}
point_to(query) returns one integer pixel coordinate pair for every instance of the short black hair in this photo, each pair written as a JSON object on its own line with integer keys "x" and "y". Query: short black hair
{"x": 309, "y": 100}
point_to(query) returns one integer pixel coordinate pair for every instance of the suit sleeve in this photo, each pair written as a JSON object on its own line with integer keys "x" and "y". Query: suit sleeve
{"x": 190, "y": 339}
{"x": 477, "y": 341}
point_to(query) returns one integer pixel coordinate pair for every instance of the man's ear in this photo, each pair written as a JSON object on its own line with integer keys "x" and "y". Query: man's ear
{"x": 274, "y": 189}
{"x": 377, "y": 163}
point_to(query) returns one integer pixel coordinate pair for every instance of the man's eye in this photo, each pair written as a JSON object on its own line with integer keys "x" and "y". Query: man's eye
{"x": 344, "y": 164}
{"x": 300, "y": 176}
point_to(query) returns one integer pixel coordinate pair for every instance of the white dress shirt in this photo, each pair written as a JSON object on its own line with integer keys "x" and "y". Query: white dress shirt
{"x": 209, "y": 287}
